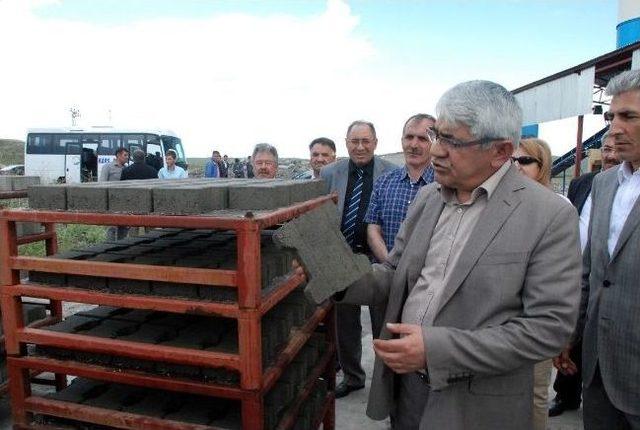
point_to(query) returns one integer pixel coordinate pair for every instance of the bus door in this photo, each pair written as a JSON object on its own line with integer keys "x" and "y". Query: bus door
{"x": 72, "y": 162}
{"x": 89, "y": 158}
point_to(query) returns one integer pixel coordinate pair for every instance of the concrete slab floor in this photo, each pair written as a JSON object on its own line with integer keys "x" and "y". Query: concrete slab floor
{"x": 350, "y": 411}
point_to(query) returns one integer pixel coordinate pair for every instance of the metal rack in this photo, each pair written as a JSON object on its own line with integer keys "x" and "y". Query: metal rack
{"x": 252, "y": 304}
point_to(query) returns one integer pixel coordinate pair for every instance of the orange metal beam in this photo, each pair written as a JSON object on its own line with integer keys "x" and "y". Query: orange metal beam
{"x": 22, "y": 240}
{"x": 146, "y": 272}
{"x": 279, "y": 216}
{"x": 279, "y": 292}
{"x": 107, "y": 417}
{"x": 128, "y": 377}
{"x": 124, "y": 348}
{"x": 227, "y": 310}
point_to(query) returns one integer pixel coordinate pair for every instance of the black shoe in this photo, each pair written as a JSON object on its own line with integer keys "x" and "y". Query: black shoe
{"x": 343, "y": 389}
{"x": 558, "y": 407}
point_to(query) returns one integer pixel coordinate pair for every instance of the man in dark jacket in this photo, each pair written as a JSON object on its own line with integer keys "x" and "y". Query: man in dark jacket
{"x": 139, "y": 169}
{"x": 568, "y": 388}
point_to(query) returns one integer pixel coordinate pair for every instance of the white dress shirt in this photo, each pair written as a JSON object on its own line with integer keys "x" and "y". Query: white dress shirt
{"x": 626, "y": 196}
{"x": 585, "y": 214}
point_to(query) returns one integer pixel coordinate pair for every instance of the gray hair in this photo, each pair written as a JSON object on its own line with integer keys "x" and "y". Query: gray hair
{"x": 265, "y": 147}
{"x": 625, "y": 81}
{"x": 138, "y": 156}
{"x": 419, "y": 117}
{"x": 365, "y": 123}
{"x": 488, "y": 109}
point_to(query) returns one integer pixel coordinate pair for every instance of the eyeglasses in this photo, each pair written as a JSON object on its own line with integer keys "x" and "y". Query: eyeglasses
{"x": 526, "y": 160}
{"x": 436, "y": 138}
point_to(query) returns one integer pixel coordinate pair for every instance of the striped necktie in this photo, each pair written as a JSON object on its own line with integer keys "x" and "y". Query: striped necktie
{"x": 351, "y": 211}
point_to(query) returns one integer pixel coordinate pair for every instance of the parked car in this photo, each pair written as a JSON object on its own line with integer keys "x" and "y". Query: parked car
{"x": 13, "y": 169}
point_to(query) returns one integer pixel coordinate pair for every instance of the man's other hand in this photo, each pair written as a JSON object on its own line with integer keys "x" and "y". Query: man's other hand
{"x": 403, "y": 355}
{"x": 564, "y": 363}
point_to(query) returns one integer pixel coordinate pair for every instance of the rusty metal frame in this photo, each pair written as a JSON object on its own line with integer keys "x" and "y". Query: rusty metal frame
{"x": 252, "y": 304}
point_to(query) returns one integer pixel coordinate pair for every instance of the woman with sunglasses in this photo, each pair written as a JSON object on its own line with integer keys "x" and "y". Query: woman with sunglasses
{"x": 533, "y": 159}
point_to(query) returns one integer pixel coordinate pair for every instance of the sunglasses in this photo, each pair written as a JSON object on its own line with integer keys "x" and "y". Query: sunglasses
{"x": 524, "y": 160}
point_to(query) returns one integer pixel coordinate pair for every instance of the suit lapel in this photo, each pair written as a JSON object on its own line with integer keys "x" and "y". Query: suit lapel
{"x": 501, "y": 205}
{"x": 629, "y": 226}
{"x": 342, "y": 178}
{"x": 608, "y": 194}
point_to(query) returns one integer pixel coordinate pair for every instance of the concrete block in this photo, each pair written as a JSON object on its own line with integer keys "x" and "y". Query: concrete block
{"x": 26, "y": 228}
{"x": 147, "y": 333}
{"x": 259, "y": 196}
{"x": 47, "y": 197}
{"x": 189, "y": 199}
{"x": 323, "y": 251}
{"x": 132, "y": 251}
{"x": 111, "y": 329}
{"x": 73, "y": 324}
{"x": 79, "y": 390}
{"x": 33, "y": 312}
{"x": 132, "y": 315}
{"x": 217, "y": 294}
{"x": 171, "y": 289}
{"x": 88, "y": 198}
{"x": 87, "y": 282}
{"x": 113, "y": 397}
{"x": 134, "y": 200}
{"x": 6, "y": 183}
{"x": 20, "y": 183}
{"x": 153, "y": 404}
{"x": 195, "y": 411}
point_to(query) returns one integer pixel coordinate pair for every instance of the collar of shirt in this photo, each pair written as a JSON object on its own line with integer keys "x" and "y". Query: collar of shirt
{"x": 426, "y": 177}
{"x": 487, "y": 187}
{"x": 367, "y": 169}
{"x": 625, "y": 172}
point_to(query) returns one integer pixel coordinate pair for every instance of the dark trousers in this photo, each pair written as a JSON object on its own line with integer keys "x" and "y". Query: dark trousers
{"x": 568, "y": 388}
{"x": 600, "y": 414}
{"x": 349, "y": 336}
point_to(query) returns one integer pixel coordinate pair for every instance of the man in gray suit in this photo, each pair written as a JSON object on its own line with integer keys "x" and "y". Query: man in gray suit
{"x": 482, "y": 282}
{"x": 610, "y": 308}
{"x": 353, "y": 180}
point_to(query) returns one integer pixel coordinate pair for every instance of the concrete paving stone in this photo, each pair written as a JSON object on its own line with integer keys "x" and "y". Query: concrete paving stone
{"x": 195, "y": 410}
{"x": 132, "y": 200}
{"x": 101, "y": 248}
{"x": 152, "y": 405}
{"x": 47, "y": 197}
{"x": 147, "y": 333}
{"x": 87, "y": 282}
{"x": 174, "y": 289}
{"x": 20, "y": 183}
{"x": 130, "y": 241}
{"x": 132, "y": 315}
{"x": 153, "y": 260}
{"x": 189, "y": 199}
{"x": 110, "y": 329}
{"x": 174, "y": 320}
{"x": 166, "y": 242}
{"x": 92, "y": 358}
{"x": 73, "y": 324}
{"x": 128, "y": 286}
{"x": 74, "y": 255}
{"x": 324, "y": 253}
{"x": 53, "y": 352}
{"x": 228, "y": 343}
{"x": 113, "y": 397}
{"x": 78, "y": 391}
{"x": 33, "y": 312}
{"x": 99, "y": 312}
{"x": 193, "y": 234}
{"x": 132, "y": 251}
{"x": 126, "y": 363}
{"x": 174, "y": 370}
{"x": 88, "y": 199}
{"x": 217, "y": 294}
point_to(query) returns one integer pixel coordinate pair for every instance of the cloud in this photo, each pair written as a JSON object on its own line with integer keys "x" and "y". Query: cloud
{"x": 226, "y": 81}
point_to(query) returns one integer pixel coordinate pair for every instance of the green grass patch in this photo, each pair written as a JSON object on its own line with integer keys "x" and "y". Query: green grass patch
{"x": 69, "y": 236}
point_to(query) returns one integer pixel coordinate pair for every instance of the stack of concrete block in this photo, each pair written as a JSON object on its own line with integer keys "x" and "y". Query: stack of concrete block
{"x": 188, "y": 408}
{"x": 170, "y": 247}
{"x": 185, "y": 196}
{"x": 21, "y": 183}
{"x": 17, "y": 183}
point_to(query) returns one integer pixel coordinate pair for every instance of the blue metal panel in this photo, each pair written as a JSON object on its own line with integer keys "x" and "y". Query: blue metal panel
{"x": 529, "y": 131}
{"x": 628, "y": 32}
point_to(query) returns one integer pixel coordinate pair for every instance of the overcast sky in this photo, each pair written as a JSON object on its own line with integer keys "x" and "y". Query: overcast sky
{"x": 229, "y": 74}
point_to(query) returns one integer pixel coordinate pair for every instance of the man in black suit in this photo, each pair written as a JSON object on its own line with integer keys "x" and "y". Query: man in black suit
{"x": 568, "y": 388}
{"x": 139, "y": 169}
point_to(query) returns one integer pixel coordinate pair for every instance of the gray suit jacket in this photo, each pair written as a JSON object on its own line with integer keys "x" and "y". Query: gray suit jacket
{"x": 336, "y": 176}
{"x": 512, "y": 302}
{"x": 610, "y": 307}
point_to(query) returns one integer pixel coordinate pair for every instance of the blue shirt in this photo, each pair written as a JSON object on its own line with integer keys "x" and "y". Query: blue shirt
{"x": 177, "y": 173}
{"x": 211, "y": 170}
{"x": 392, "y": 194}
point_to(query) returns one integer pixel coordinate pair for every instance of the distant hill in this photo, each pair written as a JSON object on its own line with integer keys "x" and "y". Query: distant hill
{"x": 11, "y": 152}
